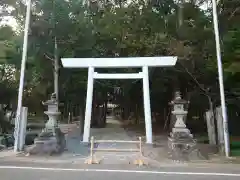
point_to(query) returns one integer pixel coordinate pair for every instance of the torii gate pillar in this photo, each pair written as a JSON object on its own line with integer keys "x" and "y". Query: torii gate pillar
{"x": 147, "y": 107}
{"x": 135, "y": 62}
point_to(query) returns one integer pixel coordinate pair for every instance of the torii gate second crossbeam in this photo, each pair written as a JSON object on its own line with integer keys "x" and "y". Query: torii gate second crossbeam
{"x": 133, "y": 62}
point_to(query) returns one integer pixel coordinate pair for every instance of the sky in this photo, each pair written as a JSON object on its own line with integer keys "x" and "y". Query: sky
{"x": 9, "y": 21}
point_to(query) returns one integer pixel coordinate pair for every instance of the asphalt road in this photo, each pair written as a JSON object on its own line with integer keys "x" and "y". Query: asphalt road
{"x": 98, "y": 172}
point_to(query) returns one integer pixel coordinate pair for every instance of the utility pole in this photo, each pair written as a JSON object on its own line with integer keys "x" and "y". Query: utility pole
{"x": 220, "y": 78}
{"x": 21, "y": 83}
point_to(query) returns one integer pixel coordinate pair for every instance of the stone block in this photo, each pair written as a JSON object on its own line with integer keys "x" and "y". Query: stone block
{"x": 182, "y": 147}
{"x": 48, "y": 143}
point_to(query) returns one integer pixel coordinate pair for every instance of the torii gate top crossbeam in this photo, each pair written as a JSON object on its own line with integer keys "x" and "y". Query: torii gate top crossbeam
{"x": 119, "y": 62}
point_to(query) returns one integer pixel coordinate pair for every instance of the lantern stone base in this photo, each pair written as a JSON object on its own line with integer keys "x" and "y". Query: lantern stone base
{"x": 182, "y": 146}
{"x": 48, "y": 143}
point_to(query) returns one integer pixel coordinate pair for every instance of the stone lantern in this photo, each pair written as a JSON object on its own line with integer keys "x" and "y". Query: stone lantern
{"x": 51, "y": 140}
{"x": 180, "y": 141}
{"x": 180, "y": 113}
{"x": 53, "y": 114}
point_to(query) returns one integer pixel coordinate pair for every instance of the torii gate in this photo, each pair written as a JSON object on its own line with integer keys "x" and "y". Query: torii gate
{"x": 133, "y": 62}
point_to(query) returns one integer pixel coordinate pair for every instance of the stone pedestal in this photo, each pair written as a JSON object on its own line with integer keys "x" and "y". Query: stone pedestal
{"x": 51, "y": 140}
{"x": 181, "y": 143}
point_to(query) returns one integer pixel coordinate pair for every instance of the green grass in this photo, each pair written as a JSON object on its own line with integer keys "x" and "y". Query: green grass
{"x": 235, "y": 145}
{"x": 235, "y": 152}
{"x": 235, "y": 148}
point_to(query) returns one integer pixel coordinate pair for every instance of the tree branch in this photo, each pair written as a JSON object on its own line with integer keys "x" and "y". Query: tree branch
{"x": 195, "y": 79}
{"x": 233, "y": 13}
{"x": 46, "y": 56}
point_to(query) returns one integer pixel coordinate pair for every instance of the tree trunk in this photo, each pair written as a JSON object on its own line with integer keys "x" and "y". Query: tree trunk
{"x": 105, "y": 113}
{"x": 209, "y": 115}
{"x": 180, "y": 13}
{"x": 55, "y": 71}
{"x": 81, "y": 119}
{"x": 136, "y": 113}
{"x": 214, "y": 121}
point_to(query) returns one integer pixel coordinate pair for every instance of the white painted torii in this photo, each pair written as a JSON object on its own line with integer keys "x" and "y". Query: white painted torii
{"x": 133, "y": 62}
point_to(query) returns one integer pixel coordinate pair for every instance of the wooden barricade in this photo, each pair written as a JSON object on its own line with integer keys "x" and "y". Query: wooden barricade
{"x": 93, "y": 160}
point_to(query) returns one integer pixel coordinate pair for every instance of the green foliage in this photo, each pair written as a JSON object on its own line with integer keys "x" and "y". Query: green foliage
{"x": 119, "y": 29}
